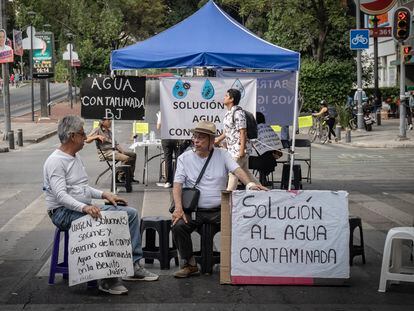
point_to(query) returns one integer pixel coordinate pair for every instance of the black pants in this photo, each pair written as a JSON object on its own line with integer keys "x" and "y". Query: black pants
{"x": 331, "y": 123}
{"x": 182, "y": 231}
{"x": 170, "y": 147}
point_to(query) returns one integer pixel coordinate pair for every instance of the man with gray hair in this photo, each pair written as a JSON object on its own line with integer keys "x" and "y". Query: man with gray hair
{"x": 69, "y": 197}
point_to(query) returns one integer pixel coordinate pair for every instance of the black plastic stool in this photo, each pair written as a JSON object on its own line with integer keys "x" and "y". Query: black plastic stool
{"x": 163, "y": 253}
{"x": 127, "y": 177}
{"x": 297, "y": 177}
{"x": 206, "y": 257}
{"x": 355, "y": 250}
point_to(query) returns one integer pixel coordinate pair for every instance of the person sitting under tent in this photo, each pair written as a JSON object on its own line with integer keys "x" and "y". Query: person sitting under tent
{"x": 265, "y": 149}
{"x": 213, "y": 181}
{"x": 105, "y": 146}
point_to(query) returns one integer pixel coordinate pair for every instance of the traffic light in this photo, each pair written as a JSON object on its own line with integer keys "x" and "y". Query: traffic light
{"x": 407, "y": 53}
{"x": 402, "y": 24}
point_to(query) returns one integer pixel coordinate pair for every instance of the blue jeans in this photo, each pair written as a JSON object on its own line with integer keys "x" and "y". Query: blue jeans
{"x": 63, "y": 217}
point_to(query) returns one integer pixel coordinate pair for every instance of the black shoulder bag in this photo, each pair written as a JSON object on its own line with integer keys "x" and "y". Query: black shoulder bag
{"x": 190, "y": 195}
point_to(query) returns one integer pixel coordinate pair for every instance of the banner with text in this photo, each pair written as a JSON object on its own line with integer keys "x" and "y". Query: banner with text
{"x": 119, "y": 98}
{"x": 43, "y": 62}
{"x": 283, "y": 234}
{"x": 100, "y": 248}
{"x": 275, "y": 94}
{"x": 186, "y": 101}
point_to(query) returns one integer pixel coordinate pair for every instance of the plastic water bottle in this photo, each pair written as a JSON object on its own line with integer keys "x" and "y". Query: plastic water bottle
{"x": 152, "y": 136}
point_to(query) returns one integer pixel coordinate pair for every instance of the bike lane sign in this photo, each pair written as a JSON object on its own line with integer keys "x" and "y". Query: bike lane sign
{"x": 359, "y": 39}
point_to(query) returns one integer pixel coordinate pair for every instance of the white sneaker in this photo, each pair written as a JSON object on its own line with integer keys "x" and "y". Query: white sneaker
{"x": 410, "y": 127}
{"x": 141, "y": 274}
{"x": 167, "y": 185}
{"x": 113, "y": 286}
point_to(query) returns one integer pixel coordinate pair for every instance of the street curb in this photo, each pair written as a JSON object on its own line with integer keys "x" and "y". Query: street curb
{"x": 41, "y": 138}
{"x": 4, "y": 149}
{"x": 384, "y": 145}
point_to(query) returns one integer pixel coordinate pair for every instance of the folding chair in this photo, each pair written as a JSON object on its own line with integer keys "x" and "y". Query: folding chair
{"x": 300, "y": 145}
{"x": 125, "y": 168}
{"x": 109, "y": 168}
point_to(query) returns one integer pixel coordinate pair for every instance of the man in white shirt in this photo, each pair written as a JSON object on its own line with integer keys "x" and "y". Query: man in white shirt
{"x": 69, "y": 197}
{"x": 213, "y": 181}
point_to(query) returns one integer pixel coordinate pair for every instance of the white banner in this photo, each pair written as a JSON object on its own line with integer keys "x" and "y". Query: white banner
{"x": 283, "y": 234}
{"x": 100, "y": 248}
{"x": 186, "y": 101}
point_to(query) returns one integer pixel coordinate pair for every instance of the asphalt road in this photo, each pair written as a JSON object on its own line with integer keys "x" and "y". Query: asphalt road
{"x": 379, "y": 182}
{"x": 20, "y": 98}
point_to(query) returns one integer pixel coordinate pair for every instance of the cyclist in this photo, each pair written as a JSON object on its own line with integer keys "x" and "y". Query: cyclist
{"x": 329, "y": 115}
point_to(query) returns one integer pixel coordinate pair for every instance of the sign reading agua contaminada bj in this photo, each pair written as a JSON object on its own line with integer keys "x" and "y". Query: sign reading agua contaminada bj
{"x": 119, "y": 98}
{"x": 280, "y": 237}
{"x": 100, "y": 248}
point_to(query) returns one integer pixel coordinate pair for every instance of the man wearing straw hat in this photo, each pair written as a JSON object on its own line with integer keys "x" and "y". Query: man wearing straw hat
{"x": 213, "y": 181}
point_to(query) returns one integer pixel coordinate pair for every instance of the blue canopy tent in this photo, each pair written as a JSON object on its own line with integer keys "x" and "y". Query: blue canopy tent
{"x": 208, "y": 38}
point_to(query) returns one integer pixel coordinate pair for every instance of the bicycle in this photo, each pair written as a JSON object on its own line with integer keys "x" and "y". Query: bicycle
{"x": 319, "y": 129}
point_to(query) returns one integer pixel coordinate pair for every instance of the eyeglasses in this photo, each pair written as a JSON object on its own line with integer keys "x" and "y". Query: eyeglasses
{"x": 83, "y": 134}
{"x": 199, "y": 137}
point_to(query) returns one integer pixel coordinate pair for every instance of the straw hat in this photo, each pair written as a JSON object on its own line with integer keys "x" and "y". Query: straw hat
{"x": 205, "y": 127}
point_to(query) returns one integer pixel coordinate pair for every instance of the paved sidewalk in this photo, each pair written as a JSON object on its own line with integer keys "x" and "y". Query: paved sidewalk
{"x": 41, "y": 129}
{"x": 381, "y": 136}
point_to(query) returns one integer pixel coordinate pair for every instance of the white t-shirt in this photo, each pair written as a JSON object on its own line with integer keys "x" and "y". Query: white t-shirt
{"x": 65, "y": 182}
{"x": 214, "y": 180}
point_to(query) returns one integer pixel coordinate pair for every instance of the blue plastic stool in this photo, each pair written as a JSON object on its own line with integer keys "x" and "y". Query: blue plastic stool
{"x": 61, "y": 267}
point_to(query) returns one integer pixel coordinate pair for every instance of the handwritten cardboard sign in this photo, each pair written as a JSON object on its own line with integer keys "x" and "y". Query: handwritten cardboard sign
{"x": 100, "y": 248}
{"x": 282, "y": 234}
{"x": 119, "y": 98}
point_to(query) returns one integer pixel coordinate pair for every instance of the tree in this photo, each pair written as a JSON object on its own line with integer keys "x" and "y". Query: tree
{"x": 317, "y": 28}
{"x": 98, "y": 26}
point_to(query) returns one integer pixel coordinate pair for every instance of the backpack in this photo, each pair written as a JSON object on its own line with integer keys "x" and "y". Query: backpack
{"x": 332, "y": 114}
{"x": 251, "y": 123}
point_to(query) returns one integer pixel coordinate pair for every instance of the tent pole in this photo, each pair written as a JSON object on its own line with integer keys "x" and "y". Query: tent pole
{"x": 295, "y": 125}
{"x": 113, "y": 158}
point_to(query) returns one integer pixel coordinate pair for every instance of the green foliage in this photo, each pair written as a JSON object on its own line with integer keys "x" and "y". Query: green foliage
{"x": 98, "y": 26}
{"x": 344, "y": 115}
{"x": 317, "y": 29}
{"x": 331, "y": 81}
{"x": 61, "y": 71}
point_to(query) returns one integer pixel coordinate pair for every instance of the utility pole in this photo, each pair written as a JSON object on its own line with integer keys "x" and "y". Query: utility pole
{"x": 5, "y": 73}
{"x": 376, "y": 87}
{"x": 31, "y": 15}
{"x": 403, "y": 132}
{"x": 360, "y": 116}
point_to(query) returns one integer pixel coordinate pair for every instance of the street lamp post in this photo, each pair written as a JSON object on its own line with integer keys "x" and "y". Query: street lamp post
{"x": 70, "y": 37}
{"x": 31, "y": 15}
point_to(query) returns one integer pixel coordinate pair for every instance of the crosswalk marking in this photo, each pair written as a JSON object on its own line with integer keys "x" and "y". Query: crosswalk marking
{"x": 395, "y": 215}
{"x": 21, "y": 224}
